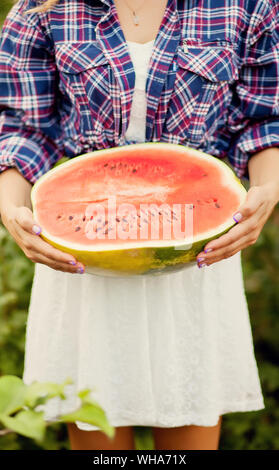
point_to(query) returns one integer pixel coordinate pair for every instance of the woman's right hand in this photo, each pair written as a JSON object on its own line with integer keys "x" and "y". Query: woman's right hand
{"x": 20, "y": 222}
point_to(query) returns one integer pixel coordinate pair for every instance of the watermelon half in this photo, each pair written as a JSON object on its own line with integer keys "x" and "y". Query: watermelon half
{"x": 138, "y": 209}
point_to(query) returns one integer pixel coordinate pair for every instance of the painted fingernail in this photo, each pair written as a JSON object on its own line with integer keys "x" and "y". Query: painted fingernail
{"x": 237, "y": 217}
{"x": 200, "y": 259}
{"x": 80, "y": 270}
{"x": 208, "y": 250}
{"x": 36, "y": 229}
{"x": 73, "y": 263}
{"x": 202, "y": 265}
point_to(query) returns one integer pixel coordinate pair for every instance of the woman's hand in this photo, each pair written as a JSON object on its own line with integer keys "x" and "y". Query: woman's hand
{"x": 20, "y": 223}
{"x": 250, "y": 217}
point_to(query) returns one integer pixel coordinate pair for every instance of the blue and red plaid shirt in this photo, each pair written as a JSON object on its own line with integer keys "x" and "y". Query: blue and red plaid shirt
{"x": 67, "y": 80}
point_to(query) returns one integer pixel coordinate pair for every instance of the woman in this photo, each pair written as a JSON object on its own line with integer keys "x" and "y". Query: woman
{"x": 173, "y": 352}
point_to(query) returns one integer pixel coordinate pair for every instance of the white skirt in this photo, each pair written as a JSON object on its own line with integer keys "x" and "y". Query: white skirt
{"x": 165, "y": 351}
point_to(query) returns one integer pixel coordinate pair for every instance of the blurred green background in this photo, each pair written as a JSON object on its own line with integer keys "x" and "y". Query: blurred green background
{"x": 253, "y": 430}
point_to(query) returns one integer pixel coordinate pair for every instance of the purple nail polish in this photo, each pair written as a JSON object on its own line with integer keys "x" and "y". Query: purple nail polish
{"x": 202, "y": 265}
{"x": 73, "y": 263}
{"x": 237, "y": 217}
{"x": 80, "y": 270}
{"x": 36, "y": 229}
{"x": 200, "y": 259}
{"x": 208, "y": 250}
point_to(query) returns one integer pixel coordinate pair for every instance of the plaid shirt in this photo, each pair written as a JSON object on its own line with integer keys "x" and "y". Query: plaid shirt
{"x": 67, "y": 80}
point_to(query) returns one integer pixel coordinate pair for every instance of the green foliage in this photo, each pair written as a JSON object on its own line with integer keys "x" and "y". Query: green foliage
{"x": 20, "y": 407}
{"x": 253, "y": 430}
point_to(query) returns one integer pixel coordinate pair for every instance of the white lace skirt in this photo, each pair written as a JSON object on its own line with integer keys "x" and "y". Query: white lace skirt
{"x": 164, "y": 351}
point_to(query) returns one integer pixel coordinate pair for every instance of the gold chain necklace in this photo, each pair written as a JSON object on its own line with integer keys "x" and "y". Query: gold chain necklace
{"x": 134, "y": 12}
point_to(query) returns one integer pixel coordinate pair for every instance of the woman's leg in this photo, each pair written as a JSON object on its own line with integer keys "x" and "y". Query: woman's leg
{"x": 187, "y": 437}
{"x": 97, "y": 440}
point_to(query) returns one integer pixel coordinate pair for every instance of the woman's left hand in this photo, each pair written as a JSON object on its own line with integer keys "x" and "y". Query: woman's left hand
{"x": 251, "y": 217}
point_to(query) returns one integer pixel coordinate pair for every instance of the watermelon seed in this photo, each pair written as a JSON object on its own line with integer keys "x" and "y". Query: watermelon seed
{"x": 217, "y": 205}
{"x": 77, "y": 229}
{"x": 59, "y": 216}
{"x": 70, "y": 217}
{"x": 134, "y": 170}
{"x": 84, "y": 219}
{"x": 105, "y": 223}
{"x": 106, "y": 164}
{"x": 117, "y": 219}
{"x": 205, "y": 174}
{"x": 113, "y": 167}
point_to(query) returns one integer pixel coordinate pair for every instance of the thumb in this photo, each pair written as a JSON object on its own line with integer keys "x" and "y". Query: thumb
{"x": 249, "y": 206}
{"x": 24, "y": 217}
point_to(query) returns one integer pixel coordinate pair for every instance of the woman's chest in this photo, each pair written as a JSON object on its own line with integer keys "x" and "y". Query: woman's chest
{"x": 193, "y": 65}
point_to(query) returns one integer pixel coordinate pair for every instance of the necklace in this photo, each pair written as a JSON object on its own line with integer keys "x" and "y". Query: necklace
{"x": 134, "y": 12}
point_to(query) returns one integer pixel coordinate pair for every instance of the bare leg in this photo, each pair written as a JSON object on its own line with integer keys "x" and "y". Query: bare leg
{"x": 97, "y": 440}
{"x": 187, "y": 437}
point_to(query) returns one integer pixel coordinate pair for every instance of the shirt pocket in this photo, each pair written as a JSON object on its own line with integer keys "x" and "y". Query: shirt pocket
{"x": 204, "y": 74}
{"x": 85, "y": 83}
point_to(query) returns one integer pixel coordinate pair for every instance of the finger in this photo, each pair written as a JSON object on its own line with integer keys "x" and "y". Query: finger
{"x": 252, "y": 224}
{"x": 234, "y": 234}
{"x": 65, "y": 267}
{"x": 229, "y": 251}
{"x": 251, "y": 204}
{"x": 24, "y": 218}
{"x": 39, "y": 246}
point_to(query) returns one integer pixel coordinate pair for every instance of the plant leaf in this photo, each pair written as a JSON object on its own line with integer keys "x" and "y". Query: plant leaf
{"x": 12, "y": 394}
{"x": 36, "y": 391}
{"x": 90, "y": 413}
{"x": 29, "y": 423}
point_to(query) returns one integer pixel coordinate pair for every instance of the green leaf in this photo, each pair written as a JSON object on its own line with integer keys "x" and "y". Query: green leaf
{"x": 29, "y": 423}
{"x": 36, "y": 391}
{"x": 12, "y": 394}
{"x": 90, "y": 413}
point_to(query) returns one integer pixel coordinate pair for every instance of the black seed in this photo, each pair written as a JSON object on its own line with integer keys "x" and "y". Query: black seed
{"x": 105, "y": 223}
{"x": 77, "y": 229}
{"x": 112, "y": 167}
{"x": 205, "y": 174}
{"x": 117, "y": 219}
{"x": 70, "y": 217}
{"x": 106, "y": 164}
{"x": 84, "y": 219}
{"x": 134, "y": 170}
{"x": 217, "y": 205}
{"x": 59, "y": 216}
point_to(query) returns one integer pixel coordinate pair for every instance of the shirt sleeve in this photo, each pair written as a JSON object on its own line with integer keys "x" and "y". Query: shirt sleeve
{"x": 254, "y": 114}
{"x": 29, "y": 125}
